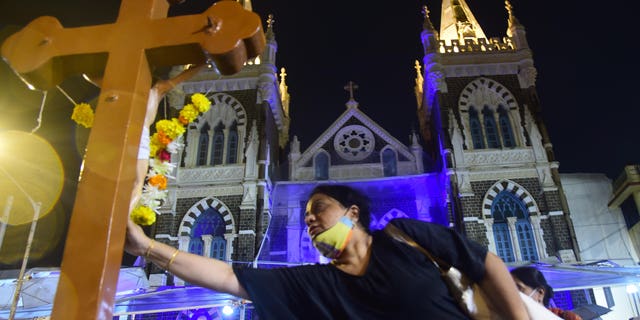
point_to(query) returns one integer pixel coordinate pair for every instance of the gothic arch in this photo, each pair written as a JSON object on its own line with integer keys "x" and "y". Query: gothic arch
{"x": 516, "y": 189}
{"x": 487, "y": 94}
{"x": 511, "y": 232}
{"x": 389, "y": 161}
{"x": 187, "y": 223}
{"x": 321, "y": 170}
{"x": 201, "y": 206}
{"x": 227, "y": 113}
{"x": 224, "y": 108}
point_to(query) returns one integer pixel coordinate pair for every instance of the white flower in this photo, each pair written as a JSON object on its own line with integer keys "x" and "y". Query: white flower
{"x": 160, "y": 167}
{"x": 174, "y": 146}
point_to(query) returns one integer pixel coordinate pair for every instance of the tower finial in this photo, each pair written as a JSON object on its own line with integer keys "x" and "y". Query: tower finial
{"x": 270, "y": 21}
{"x": 512, "y": 18}
{"x": 425, "y": 11}
{"x": 427, "y": 25}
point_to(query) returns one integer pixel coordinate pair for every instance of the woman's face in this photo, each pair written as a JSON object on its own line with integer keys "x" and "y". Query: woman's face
{"x": 536, "y": 294}
{"x": 322, "y": 213}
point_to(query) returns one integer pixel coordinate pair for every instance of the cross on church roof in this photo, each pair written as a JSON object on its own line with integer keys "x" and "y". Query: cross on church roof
{"x": 350, "y": 87}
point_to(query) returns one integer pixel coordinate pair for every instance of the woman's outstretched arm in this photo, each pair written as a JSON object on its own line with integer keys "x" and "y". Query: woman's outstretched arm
{"x": 206, "y": 272}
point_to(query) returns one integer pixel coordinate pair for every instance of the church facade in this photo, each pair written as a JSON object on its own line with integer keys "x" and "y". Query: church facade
{"x": 481, "y": 162}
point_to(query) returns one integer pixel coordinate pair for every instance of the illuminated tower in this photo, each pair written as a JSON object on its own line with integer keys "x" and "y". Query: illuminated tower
{"x": 480, "y": 119}
{"x": 220, "y": 200}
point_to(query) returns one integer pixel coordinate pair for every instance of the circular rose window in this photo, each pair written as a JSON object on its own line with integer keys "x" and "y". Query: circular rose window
{"x": 354, "y": 142}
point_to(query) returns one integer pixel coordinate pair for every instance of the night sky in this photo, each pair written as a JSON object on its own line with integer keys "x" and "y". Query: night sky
{"x": 582, "y": 55}
{"x": 586, "y": 68}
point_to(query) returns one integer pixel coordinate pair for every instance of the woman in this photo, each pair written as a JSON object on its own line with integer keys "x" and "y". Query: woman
{"x": 371, "y": 276}
{"x": 532, "y": 282}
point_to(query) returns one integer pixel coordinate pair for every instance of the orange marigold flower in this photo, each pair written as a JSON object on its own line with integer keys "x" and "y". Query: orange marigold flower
{"x": 163, "y": 138}
{"x": 159, "y": 181}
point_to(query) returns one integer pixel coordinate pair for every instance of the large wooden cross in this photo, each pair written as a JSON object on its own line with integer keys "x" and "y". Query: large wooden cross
{"x": 122, "y": 53}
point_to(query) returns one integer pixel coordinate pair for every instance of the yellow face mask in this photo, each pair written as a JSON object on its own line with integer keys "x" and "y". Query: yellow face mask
{"x": 331, "y": 242}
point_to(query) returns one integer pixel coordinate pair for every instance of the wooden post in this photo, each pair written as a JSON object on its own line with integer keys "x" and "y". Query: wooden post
{"x": 44, "y": 53}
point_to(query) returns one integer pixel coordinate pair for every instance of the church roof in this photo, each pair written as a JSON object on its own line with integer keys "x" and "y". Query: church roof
{"x": 350, "y": 117}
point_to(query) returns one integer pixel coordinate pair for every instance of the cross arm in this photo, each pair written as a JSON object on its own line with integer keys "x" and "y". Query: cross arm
{"x": 225, "y": 33}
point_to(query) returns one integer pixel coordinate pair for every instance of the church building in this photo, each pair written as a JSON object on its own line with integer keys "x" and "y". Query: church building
{"x": 481, "y": 161}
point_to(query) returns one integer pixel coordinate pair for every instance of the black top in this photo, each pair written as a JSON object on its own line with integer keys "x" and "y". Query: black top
{"x": 399, "y": 283}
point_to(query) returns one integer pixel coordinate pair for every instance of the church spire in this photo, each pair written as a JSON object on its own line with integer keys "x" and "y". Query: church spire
{"x": 419, "y": 83}
{"x": 429, "y": 34}
{"x": 427, "y": 25}
{"x": 515, "y": 30}
{"x": 513, "y": 21}
{"x": 269, "y": 54}
{"x": 458, "y": 23}
{"x": 284, "y": 92}
{"x": 269, "y": 34}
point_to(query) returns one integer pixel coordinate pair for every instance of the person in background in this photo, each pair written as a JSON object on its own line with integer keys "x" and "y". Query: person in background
{"x": 532, "y": 282}
{"x": 370, "y": 276}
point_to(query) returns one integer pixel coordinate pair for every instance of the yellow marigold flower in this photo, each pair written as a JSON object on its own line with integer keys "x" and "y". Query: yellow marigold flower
{"x": 143, "y": 216}
{"x": 189, "y": 112}
{"x": 154, "y": 146}
{"x": 201, "y": 102}
{"x": 83, "y": 115}
{"x": 159, "y": 181}
{"x": 171, "y": 128}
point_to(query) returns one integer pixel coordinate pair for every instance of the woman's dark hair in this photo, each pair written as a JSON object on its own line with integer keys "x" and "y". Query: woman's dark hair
{"x": 347, "y": 197}
{"x": 533, "y": 278}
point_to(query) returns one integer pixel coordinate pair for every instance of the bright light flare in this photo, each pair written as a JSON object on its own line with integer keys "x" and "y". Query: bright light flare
{"x": 30, "y": 171}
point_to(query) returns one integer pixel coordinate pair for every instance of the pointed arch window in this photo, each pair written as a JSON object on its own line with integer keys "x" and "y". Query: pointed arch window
{"x": 503, "y": 241}
{"x": 490, "y": 128}
{"x": 218, "y": 248}
{"x": 203, "y": 145}
{"x": 527, "y": 243}
{"x": 232, "y": 144}
{"x": 210, "y": 222}
{"x": 217, "y": 147}
{"x": 506, "y": 205}
{"x": 508, "y": 140}
{"x": 321, "y": 164}
{"x": 389, "y": 163}
{"x": 476, "y": 129}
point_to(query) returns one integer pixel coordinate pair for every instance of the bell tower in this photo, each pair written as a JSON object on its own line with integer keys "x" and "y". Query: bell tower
{"x": 481, "y": 121}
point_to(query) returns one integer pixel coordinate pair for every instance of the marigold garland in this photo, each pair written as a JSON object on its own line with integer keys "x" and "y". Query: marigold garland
{"x": 83, "y": 115}
{"x": 166, "y": 141}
